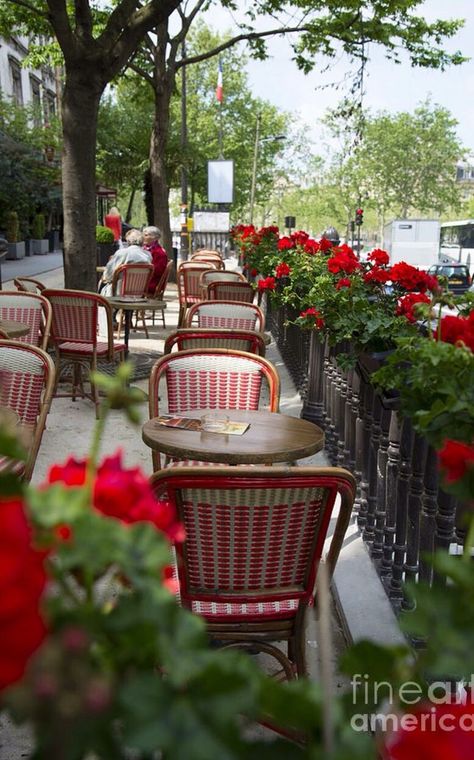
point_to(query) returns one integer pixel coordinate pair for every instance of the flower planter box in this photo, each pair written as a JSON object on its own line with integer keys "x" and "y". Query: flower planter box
{"x": 40, "y": 247}
{"x": 367, "y": 364}
{"x": 16, "y": 250}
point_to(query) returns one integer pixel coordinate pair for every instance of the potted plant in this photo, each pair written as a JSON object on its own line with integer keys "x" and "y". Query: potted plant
{"x": 16, "y": 248}
{"x": 39, "y": 242}
{"x": 105, "y": 244}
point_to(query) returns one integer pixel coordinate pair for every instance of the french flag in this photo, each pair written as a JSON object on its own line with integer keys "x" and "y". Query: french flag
{"x": 219, "y": 88}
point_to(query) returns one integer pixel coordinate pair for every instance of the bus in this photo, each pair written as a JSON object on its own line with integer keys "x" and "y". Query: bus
{"x": 456, "y": 242}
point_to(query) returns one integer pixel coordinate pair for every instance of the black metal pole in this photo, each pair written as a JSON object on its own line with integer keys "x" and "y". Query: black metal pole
{"x": 184, "y": 237}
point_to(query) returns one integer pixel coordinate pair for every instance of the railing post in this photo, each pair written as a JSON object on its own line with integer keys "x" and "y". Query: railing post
{"x": 406, "y": 450}
{"x": 313, "y": 409}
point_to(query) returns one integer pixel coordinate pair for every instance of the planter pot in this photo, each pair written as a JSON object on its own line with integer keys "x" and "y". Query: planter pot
{"x": 40, "y": 247}
{"x": 29, "y": 248}
{"x": 367, "y": 364}
{"x": 104, "y": 252}
{"x": 16, "y": 250}
{"x": 53, "y": 240}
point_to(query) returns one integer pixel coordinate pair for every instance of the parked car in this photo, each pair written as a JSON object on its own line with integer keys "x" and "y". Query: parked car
{"x": 459, "y": 279}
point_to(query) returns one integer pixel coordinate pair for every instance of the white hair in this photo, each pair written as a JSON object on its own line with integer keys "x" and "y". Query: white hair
{"x": 135, "y": 237}
{"x": 154, "y": 231}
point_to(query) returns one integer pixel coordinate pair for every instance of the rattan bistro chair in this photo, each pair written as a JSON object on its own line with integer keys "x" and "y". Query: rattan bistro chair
{"x": 228, "y": 315}
{"x": 29, "y": 285}
{"x": 74, "y": 334}
{"x": 230, "y": 291}
{"x": 26, "y": 385}
{"x": 188, "y": 282}
{"x": 159, "y": 294}
{"x": 132, "y": 280}
{"x": 211, "y": 276}
{"x": 212, "y": 378}
{"x": 31, "y": 309}
{"x": 198, "y": 337}
{"x": 254, "y": 542}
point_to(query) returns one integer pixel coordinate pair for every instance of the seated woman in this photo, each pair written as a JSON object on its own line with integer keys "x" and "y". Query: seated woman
{"x": 132, "y": 254}
{"x": 151, "y": 236}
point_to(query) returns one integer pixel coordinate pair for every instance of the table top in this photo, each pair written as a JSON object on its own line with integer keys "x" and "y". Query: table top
{"x": 13, "y": 328}
{"x": 271, "y": 437}
{"x": 150, "y": 304}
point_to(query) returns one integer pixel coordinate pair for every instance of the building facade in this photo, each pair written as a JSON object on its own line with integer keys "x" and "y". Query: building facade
{"x": 24, "y": 85}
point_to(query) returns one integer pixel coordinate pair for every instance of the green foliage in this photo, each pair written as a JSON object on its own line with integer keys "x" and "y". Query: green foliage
{"x": 38, "y": 227}
{"x": 104, "y": 234}
{"x": 12, "y": 227}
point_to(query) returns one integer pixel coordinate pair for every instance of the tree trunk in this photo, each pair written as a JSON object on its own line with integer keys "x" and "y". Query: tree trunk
{"x": 128, "y": 215}
{"x": 163, "y": 87}
{"x": 80, "y": 104}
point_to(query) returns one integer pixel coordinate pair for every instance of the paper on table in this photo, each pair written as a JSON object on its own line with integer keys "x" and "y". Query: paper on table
{"x": 190, "y": 423}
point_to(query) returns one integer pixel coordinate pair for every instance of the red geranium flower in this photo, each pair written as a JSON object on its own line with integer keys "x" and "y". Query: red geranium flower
{"x": 376, "y": 275}
{"x": 325, "y": 244}
{"x": 454, "y": 459}
{"x": 300, "y": 237}
{"x": 253, "y": 272}
{"x": 22, "y": 581}
{"x": 315, "y": 314}
{"x": 343, "y": 261}
{"x": 379, "y": 257}
{"x": 269, "y": 231}
{"x": 311, "y": 246}
{"x": 344, "y": 282}
{"x": 457, "y": 330}
{"x": 285, "y": 244}
{"x": 411, "y": 278}
{"x": 268, "y": 283}
{"x": 406, "y": 305}
{"x": 282, "y": 270}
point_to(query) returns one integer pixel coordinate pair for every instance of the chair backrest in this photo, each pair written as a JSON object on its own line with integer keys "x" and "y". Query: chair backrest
{"x": 212, "y": 276}
{"x": 226, "y": 315}
{"x": 75, "y": 317}
{"x": 188, "y": 280}
{"x": 27, "y": 376}
{"x": 255, "y": 535}
{"x": 163, "y": 281}
{"x": 29, "y": 284}
{"x": 195, "y": 337}
{"x": 215, "y": 261}
{"x": 230, "y": 291}
{"x": 132, "y": 279}
{"x": 31, "y": 309}
{"x": 212, "y": 378}
{"x": 206, "y": 252}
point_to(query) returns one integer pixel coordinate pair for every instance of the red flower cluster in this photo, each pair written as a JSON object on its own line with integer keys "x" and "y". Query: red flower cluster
{"x": 454, "y": 460}
{"x": 325, "y": 245}
{"x": 406, "y": 305}
{"x": 242, "y": 230}
{"x": 282, "y": 270}
{"x": 343, "y": 260}
{"x": 379, "y": 257}
{"x": 376, "y": 274}
{"x": 286, "y": 244}
{"x": 435, "y": 732}
{"x": 299, "y": 237}
{"x": 411, "y": 278}
{"x": 315, "y": 314}
{"x": 22, "y": 581}
{"x": 344, "y": 282}
{"x": 121, "y": 493}
{"x": 271, "y": 230}
{"x": 458, "y": 330}
{"x": 268, "y": 283}
{"x": 312, "y": 246}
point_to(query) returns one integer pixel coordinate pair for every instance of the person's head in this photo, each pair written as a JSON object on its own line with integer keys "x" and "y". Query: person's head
{"x": 150, "y": 234}
{"x": 134, "y": 237}
{"x": 114, "y": 211}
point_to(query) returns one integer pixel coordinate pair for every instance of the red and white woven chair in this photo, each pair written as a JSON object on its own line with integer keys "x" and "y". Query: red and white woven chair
{"x": 197, "y": 337}
{"x": 254, "y": 541}
{"x": 74, "y": 334}
{"x": 31, "y": 309}
{"x": 213, "y": 378}
{"x": 212, "y": 259}
{"x": 159, "y": 293}
{"x": 29, "y": 285}
{"x": 230, "y": 291}
{"x": 189, "y": 287}
{"x": 26, "y": 386}
{"x": 208, "y": 277}
{"x": 132, "y": 280}
{"x": 227, "y": 315}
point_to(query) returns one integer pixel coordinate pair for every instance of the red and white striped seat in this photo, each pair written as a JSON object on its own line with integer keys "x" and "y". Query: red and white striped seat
{"x": 74, "y": 333}
{"x": 227, "y": 315}
{"x": 230, "y": 291}
{"x": 189, "y": 284}
{"x": 31, "y": 309}
{"x": 26, "y": 386}
{"x": 213, "y": 378}
{"x": 254, "y": 541}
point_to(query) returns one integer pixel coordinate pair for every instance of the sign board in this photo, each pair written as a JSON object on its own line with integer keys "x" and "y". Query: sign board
{"x": 211, "y": 221}
{"x": 220, "y": 181}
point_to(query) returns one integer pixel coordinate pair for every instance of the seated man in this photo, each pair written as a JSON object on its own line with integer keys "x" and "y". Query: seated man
{"x": 132, "y": 254}
{"x": 151, "y": 236}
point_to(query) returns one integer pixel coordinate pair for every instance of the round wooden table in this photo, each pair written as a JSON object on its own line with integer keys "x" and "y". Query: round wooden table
{"x": 13, "y": 328}
{"x": 271, "y": 437}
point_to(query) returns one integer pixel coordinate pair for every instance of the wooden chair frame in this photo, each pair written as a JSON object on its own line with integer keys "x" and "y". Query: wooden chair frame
{"x": 132, "y": 280}
{"x": 205, "y": 360}
{"x": 33, "y": 408}
{"x": 74, "y": 334}
{"x": 196, "y": 338}
{"x": 31, "y": 309}
{"x": 226, "y": 320}
{"x": 29, "y": 285}
{"x": 187, "y": 280}
{"x": 254, "y": 542}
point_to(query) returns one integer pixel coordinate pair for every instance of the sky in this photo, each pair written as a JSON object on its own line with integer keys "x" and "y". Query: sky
{"x": 388, "y": 86}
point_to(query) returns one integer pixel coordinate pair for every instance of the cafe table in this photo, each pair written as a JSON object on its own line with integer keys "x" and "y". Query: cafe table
{"x": 13, "y": 328}
{"x": 271, "y": 437}
{"x": 129, "y": 304}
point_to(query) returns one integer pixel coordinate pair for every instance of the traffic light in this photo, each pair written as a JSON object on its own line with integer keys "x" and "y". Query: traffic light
{"x": 359, "y": 216}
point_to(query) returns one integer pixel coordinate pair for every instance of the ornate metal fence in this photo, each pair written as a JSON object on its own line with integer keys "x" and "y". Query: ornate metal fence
{"x": 402, "y": 513}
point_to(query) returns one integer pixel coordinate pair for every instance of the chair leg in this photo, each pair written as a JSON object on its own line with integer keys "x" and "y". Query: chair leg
{"x": 297, "y": 646}
{"x": 182, "y": 312}
{"x": 142, "y": 316}
{"x": 120, "y": 322}
{"x": 162, "y": 317}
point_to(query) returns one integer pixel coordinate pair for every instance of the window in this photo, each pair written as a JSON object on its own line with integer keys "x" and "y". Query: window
{"x": 36, "y": 100}
{"x": 15, "y": 73}
{"x": 49, "y": 104}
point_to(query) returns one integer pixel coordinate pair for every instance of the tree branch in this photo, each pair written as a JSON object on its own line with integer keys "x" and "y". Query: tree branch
{"x": 141, "y": 72}
{"x": 29, "y": 7}
{"x": 59, "y": 20}
{"x": 84, "y": 21}
{"x": 239, "y": 38}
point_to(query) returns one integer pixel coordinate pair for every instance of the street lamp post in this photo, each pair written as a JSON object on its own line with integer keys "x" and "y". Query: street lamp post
{"x": 258, "y": 140}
